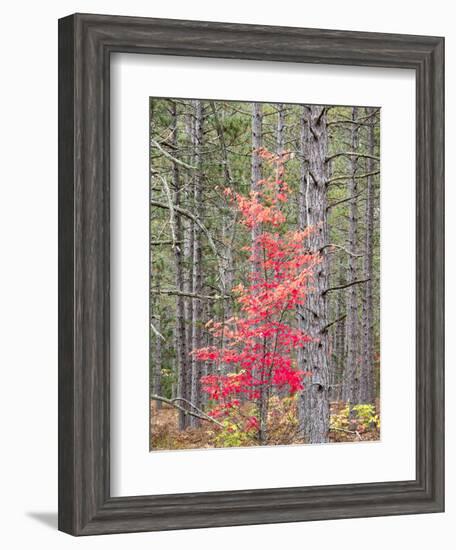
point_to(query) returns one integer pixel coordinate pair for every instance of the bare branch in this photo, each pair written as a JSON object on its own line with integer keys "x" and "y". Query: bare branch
{"x": 334, "y": 204}
{"x": 352, "y": 154}
{"x": 163, "y": 243}
{"x": 361, "y": 121}
{"x": 320, "y": 115}
{"x": 325, "y": 328}
{"x": 354, "y": 432}
{"x": 341, "y": 287}
{"x": 155, "y": 331}
{"x": 361, "y": 176}
{"x": 172, "y": 292}
{"x": 340, "y": 247}
{"x": 170, "y": 157}
{"x": 199, "y": 414}
{"x": 203, "y": 228}
{"x": 171, "y": 206}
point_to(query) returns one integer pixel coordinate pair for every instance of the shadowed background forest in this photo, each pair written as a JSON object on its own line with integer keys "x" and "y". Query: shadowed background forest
{"x": 248, "y": 200}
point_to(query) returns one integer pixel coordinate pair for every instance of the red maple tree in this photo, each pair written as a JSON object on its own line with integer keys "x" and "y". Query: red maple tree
{"x": 258, "y": 346}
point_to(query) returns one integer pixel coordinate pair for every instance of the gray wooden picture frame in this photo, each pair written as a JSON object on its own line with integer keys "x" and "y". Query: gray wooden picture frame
{"x": 85, "y": 45}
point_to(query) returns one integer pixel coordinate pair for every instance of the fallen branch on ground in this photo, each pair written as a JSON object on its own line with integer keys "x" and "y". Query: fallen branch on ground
{"x": 355, "y": 432}
{"x": 199, "y": 414}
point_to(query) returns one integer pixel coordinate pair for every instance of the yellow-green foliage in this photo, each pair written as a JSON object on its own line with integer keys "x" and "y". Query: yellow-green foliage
{"x": 360, "y": 417}
{"x": 231, "y": 435}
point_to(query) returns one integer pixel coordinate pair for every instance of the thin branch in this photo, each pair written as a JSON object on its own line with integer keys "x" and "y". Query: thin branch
{"x": 334, "y": 204}
{"x": 341, "y": 248}
{"x": 373, "y": 113}
{"x": 341, "y": 178}
{"x": 320, "y": 115}
{"x": 325, "y": 328}
{"x": 155, "y": 331}
{"x": 171, "y": 207}
{"x": 199, "y": 414}
{"x": 163, "y": 243}
{"x": 341, "y": 287}
{"x": 352, "y": 154}
{"x": 170, "y": 157}
{"x": 189, "y": 215}
{"x": 359, "y": 121}
{"x": 203, "y": 228}
{"x": 336, "y": 122}
{"x": 172, "y": 292}
{"x": 312, "y": 131}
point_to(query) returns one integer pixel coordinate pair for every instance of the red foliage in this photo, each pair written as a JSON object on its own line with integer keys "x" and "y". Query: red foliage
{"x": 258, "y": 347}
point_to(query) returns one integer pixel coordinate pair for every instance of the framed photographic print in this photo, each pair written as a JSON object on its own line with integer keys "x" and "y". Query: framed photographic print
{"x": 251, "y": 281}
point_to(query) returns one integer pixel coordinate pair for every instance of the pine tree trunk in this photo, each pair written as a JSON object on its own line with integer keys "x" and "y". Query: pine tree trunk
{"x": 351, "y": 378}
{"x": 301, "y": 312}
{"x": 304, "y": 154}
{"x": 181, "y": 348}
{"x": 280, "y": 129}
{"x": 154, "y": 313}
{"x": 188, "y": 253}
{"x": 157, "y": 363}
{"x": 367, "y": 390}
{"x": 339, "y": 351}
{"x": 314, "y": 399}
{"x": 257, "y": 122}
{"x": 197, "y": 333}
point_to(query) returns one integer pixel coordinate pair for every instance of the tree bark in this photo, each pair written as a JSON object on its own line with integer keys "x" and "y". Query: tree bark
{"x": 157, "y": 365}
{"x": 339, "y": 351}
{"x": 257, "y": 122}
{"x": 257, "y": 140}
{"x": 367, "y": 389}
{"x": 154, "y": 310}
{"x": 301, "y": 311}
{"x": 314, "y": 398}
{"x": 197, "y": 333}
{"x": 280, "y": 129}
{"x": 351, "y": 375}
{"x": 304, "y": 175}
{"x": 188, "y": 251}
{"x": 181, "y": 345}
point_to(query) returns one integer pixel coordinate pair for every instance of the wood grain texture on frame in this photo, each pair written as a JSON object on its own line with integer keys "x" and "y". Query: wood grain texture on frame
{"x": 85, "y": 44}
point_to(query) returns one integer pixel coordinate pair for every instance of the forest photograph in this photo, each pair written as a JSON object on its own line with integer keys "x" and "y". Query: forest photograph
{"x": 264, "y": 274}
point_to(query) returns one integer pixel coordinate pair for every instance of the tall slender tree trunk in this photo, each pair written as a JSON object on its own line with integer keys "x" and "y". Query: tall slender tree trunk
{"x": 157, "y": 362}
{"x": 314, "y": 399}
{"x": 154, "y": 314}
{"x": 188, "y": 250}
{"x": 304, "y": 175}
{"x": 280, "y": 129}
{"x": 339, "y": 347}
{"x": 181, "y": 347}
{"x": 280, "y": 150}
{"x": 197, "y": 333}
{"x": 301, "y": 311}
{"x": 367, "y": 390}
{"x": 228, "y": 227}
{"x": 351, "y": 378}
{"x": 257, "y": 139}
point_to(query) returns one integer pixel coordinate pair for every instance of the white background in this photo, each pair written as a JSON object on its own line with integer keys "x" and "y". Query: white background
{"x": 28, "y": 286}
{"x": 133, "y": 78}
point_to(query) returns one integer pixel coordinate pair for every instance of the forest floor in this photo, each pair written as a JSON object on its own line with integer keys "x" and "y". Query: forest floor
{"x": 165, "y": 434}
